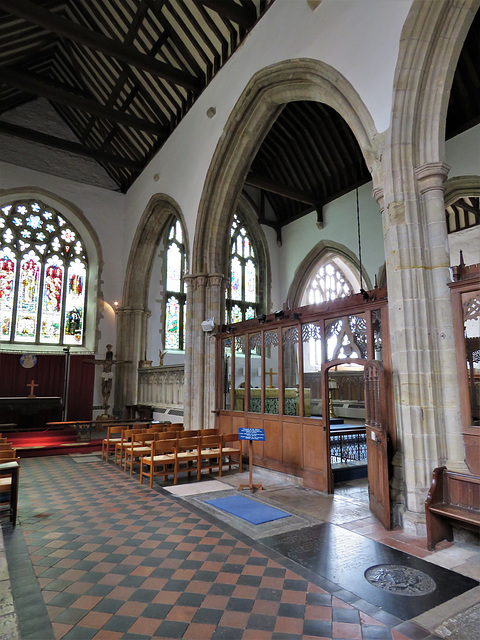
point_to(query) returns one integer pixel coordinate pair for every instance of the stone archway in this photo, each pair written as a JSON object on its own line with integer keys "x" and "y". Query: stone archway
{"x": 257, "y": 108}
{"x": 306, "y": 268}
{"x": 421, "y": 327}
{"x": 133, "y": 314}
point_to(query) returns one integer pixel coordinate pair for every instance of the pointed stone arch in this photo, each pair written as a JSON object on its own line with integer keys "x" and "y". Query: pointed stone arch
{"x": 306, "y": 268}
{"x": 133, "y": 314}
{"x": 253, "y": 115}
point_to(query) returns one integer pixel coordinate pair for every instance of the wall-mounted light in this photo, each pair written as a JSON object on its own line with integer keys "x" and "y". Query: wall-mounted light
{"x": 208, "y": 324}
{"x": 279, "y": 314}
{"x": 261, "y": 318}
{"x": 296, "y": 315}
{"x": 116, "y": 303}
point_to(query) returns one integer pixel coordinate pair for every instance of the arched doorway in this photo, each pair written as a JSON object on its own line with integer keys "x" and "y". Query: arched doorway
{"x": 370, "y": 373}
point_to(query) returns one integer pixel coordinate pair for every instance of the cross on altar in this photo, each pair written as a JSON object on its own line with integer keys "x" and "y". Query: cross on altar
{"x": 270, "y": 373}
{"x": 32, "y": 385}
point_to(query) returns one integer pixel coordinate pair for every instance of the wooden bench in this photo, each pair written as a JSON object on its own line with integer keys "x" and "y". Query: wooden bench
{"x": 452, "y": 496}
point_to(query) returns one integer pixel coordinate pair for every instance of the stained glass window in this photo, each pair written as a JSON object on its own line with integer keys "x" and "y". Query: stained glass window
{"x": 43, "y": 272}
{"x": 242, "y": 299}
{"x": 175, "y": 305}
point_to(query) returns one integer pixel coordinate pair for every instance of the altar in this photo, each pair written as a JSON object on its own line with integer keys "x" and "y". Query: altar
{"x": 291, "y": 401}
{"x": 30, "y": 412}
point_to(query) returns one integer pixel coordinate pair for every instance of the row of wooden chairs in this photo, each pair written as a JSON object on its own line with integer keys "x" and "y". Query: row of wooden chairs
{"x": 198, "y": 453}
{"x": 7, "y": 454}
{"x": 115, "y": 435}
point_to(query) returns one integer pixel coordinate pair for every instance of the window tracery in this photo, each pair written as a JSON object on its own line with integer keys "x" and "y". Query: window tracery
{"x": 176, "y": 289}
{"x": 242, "y": 293}
{"x": 43, "y": 274}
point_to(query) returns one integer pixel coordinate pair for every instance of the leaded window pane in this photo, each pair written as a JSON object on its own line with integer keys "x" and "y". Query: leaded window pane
{"x": 75, "y": 303}
{"x": 51, "y": 318}
{"x": 174, "y": 268}
{"x": 236, "y": 280}
{"x": 8, "y": 269}
{"x": 27, "y": 300}
{"x": 172, "y": 333}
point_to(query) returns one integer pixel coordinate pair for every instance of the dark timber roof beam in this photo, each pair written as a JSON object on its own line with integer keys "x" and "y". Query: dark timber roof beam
{"x": 66, "y": 145}
{"x": 244, "y": 16}
{"x": 31, "y": 85}
{"x": 52, "y": 22}
{"x": 280, "y": 190}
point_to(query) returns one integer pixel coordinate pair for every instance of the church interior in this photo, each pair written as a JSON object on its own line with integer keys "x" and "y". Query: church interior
{"x": 240, "y": 319}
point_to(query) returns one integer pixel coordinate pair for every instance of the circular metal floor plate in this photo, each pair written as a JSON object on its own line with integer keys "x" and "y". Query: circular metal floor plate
{"x": 400, "y": 580}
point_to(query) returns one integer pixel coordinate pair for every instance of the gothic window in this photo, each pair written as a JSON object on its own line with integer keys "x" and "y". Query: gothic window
{"x": 328, "y": 282}
{"x": 43, "y": 274}
{"x": 176, "y": 293}
{"x": 242, "y": 293}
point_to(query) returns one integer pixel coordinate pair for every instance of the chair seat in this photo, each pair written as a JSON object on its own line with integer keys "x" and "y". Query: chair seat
{"x": 112, "y": 440}
{"x": 166, "y": 457}
{"x": 137, "y": 450}
{"x": 210, "y": 451}
{"x": 187, "y": 454}
{"x": 229, "y": 450}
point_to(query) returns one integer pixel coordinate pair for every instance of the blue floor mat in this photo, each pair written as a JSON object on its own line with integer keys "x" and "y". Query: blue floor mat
{"x": 249, "y": 510}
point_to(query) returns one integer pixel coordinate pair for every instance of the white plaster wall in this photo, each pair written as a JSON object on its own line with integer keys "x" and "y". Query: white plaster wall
{"x": 340, "y": 225}
{"x": 288, "y": 30}
{"x": 462, "y": 153}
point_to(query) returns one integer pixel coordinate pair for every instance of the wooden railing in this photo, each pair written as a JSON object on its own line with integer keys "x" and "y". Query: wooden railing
{"x": 161, "y": 387}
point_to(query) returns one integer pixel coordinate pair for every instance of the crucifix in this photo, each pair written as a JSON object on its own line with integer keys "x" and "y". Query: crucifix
{"x": 270, "y": 373}
{"x": 32, "y": 385}
{"x": 107, "y": 374}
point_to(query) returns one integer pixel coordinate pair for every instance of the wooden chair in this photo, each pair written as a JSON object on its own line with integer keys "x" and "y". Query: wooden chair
{"x": 137, "y": 447}
{"x": 187, "y": 450}
{"x": 209, "y": 432}
{"x": 162, "y": 454}
{"x": 209, "y": 454}
{"x": 9, "y": 478}
{"x": 108, "y": 443}
{"x": 127, "y": 435}
{"x": 167, "y": 435}
{"x": 229, "y": 452}
{"x": 176, "y": 426}
{"x": 191, "y": 433}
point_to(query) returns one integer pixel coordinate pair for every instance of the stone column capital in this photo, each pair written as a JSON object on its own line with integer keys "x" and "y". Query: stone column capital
{"x": 379, "y": 196}
{"x": 431, "y": 176}
{"x": 217, "y": 280}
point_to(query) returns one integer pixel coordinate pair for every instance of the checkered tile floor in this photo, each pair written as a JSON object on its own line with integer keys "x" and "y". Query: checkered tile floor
{"x": 115, "y": 560}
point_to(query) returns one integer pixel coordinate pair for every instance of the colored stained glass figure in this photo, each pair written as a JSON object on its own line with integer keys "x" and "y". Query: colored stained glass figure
{"x": 172, "y": 340}
{"x": 35, "y": 255}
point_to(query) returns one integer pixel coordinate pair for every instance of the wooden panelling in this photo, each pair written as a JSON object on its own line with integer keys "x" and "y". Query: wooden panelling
{"x": 292, "y": 444}
{"x": 472, "y": 449}
{"x": 273, "y": 440}
{"x": 314, "y": 447}
{"x": 224, "y": 423}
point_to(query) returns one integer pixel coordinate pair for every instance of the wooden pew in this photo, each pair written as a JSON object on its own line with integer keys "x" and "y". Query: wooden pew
{"x": 452, "y": 496}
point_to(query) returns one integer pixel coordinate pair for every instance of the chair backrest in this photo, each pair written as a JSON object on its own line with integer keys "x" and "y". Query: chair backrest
{"x": 141, "y": 438}
{"x": 5, "y": 445}
{"x": 210, "y": 441}
{"x": 166, "y": 435}
{"x": 230, "y": 437}
{"x": 157, "y": 428}
{"x": 176, "y": 426}
{"x": 163, "y": 446}
{"x": 8, "y": 455}
{"x": 115, "y": 428}
{"x": 209, "y": 432}
{"x": 185, "y": 444}
{"x": 141, "y": 425}
{"x": 191, "y": 433}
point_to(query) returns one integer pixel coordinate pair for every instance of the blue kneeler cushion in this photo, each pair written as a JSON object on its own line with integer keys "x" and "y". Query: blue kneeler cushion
{"x": 249, "y": 510}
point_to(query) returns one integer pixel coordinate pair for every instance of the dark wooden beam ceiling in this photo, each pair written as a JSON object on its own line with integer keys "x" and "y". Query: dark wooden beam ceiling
{"x": 243, "y": 15}
{"x": 73, "y": 31}
{"x": 287, "y": 192}
{"x": 66, "y": 145}
{"x": 34, "y": 86}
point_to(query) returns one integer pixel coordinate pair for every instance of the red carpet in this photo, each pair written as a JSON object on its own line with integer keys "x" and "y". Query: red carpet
{"x": 30, "y": 444}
